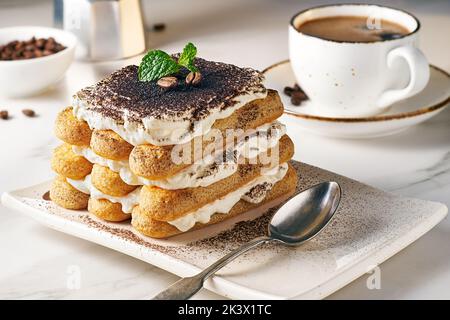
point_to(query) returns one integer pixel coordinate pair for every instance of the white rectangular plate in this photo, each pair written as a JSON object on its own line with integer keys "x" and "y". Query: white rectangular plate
{"x": 370, "y": 226}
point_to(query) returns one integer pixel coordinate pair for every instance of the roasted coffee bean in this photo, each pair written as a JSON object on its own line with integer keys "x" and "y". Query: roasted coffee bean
{"x": 37, "y": 53}
{"x": 40, "y": 43}
{"x": 159, "y": 27}
{"x": 28, "y": 55}
{"x": 49, "y": 46}
{"x": 33, "y": 48}
{"x": 296, "y": 93}
{"x": 59, "y": 47}
{"x": 46, "y": 196}
{"x": 299, "y": 95}
{"x": 29, "y": 113}
{"x": 167, "y": 82}
{"x": 288, "y": 91}
{"x": 194, "y": 78}
{"x": 4, "y": 114}
{"x": 19, "y": 45}
{"x": 296, "y": 101}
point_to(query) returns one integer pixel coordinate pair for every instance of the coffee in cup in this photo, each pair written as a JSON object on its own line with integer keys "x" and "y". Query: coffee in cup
{"x": 356, "y": 60}
{"x": 352, "y": 29}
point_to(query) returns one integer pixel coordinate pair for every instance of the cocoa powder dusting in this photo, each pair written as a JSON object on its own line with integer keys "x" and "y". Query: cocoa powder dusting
{"x": 126, "y": 235}
{"x": 241, "y": 232}
{"x": 122, "y": 95}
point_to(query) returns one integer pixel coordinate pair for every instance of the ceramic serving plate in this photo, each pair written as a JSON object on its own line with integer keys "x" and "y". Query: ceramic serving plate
{"x": 400, "y": 116}
{"x": 369, "y": 227}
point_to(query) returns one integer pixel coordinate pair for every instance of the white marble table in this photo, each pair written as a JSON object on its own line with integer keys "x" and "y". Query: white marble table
{"x": 36, "y": 262}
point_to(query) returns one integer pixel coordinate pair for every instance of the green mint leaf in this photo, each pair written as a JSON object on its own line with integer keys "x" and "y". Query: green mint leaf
{"x": 187, "y": 57}
{"x": 155, "y": 65}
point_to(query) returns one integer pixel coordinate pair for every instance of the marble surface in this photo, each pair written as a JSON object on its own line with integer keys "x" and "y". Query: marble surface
{"x": 40, "y": 263}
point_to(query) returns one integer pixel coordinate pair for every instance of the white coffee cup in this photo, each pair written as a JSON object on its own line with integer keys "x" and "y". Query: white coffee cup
{"x": 352, "y": 79}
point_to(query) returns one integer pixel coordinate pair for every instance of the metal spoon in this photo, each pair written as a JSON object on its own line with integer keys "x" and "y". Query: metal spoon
{"x": 297, "y": 221}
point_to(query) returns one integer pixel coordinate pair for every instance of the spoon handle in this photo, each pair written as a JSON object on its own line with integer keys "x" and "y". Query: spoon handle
{"x": 187, "y": 287}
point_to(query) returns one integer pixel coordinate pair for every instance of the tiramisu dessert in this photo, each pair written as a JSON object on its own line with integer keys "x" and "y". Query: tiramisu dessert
{"x": 174, "y": 144}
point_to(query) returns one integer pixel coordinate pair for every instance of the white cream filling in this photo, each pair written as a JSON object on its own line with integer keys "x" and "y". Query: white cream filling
{"x": 224, "y": 205}
{"x": 159, "y": 132}
{"x": 91, "y": 156}
{"x": 128, "y": 202}
{"x": 200, "y": 174}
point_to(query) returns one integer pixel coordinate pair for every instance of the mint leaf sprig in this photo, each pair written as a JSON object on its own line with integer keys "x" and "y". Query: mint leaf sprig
{"x": 187, "y": 57}
{"x": 157, "y": 64}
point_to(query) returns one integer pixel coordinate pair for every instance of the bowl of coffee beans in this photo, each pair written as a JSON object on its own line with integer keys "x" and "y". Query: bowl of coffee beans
{"x": 33, "y": 58}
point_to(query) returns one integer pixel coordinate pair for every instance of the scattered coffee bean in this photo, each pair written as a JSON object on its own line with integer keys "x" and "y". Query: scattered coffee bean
{"x": 46, "y": 196}
{"x": 288, "y": 91}
{"x": 296, "y": 101}
{"x": 33, "y": 48}
{"x": 296, "y": 93}
{"x": 299, "y": 95}
{"x": 29, "y": 113}
{"x": 167, "y": 82}
{"x": 159, "y": 27}
{"x": 194, "y": 78}
{"x": 4, "y": 114}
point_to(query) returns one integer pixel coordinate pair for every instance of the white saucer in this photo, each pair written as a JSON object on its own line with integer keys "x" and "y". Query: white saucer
{"x": 402, "y": 115}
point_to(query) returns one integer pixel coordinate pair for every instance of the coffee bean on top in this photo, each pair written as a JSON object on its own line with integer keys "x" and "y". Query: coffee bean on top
{"x": 194, "y": 78}
{"x": 4, "y": 115}
{"x": 296, "y": 93}
{"x": 167, "y": 82}
{"x": 29, "y": 113}
{"x": 33, "y": 48}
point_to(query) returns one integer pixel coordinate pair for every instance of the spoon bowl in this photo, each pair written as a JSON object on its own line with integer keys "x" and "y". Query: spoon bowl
{"x": 305, "y": 215}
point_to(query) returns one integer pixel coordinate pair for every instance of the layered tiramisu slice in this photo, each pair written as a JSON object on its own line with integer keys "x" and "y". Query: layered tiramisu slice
{"x": 171, "y": 154}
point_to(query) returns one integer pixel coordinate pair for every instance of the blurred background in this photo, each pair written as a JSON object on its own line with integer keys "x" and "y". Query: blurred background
{"x": 214, "y": 25}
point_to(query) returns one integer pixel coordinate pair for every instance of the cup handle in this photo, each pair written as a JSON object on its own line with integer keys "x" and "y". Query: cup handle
{"x": 419, "y": 75}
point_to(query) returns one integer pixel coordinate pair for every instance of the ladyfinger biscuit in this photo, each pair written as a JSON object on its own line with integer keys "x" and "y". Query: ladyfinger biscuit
{"x": 107, "y": 210}
{"x": 66, "y": 196}
{"x": 109, "y": 182}
{"x": 160, "y": 229}
{"x": 71, "y": 130}
{"x": 155, "y": 162}
{"x": 167, "y": 205}
{"x": 68, "y": 164}
{"x": 108, "y": 144}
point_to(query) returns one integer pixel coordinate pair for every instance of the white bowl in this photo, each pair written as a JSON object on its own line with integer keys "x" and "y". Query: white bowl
{"x": 19, "y": 78}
